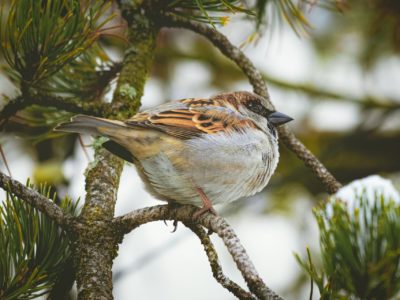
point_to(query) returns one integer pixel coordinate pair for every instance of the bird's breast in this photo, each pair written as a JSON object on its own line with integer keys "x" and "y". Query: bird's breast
{"x": 225, "y": 166}
{"x": 231, "y": 166}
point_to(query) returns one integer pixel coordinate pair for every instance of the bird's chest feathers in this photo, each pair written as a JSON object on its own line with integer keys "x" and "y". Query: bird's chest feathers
{"x": 241, "y": 163}
{"x": 225, "y": 167}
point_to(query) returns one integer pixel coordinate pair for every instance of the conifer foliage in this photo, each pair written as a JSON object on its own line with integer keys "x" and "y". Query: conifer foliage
{"x": 34, "y": 251}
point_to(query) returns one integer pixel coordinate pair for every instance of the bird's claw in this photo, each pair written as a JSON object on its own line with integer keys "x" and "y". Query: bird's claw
{"x": 175, "y": 224}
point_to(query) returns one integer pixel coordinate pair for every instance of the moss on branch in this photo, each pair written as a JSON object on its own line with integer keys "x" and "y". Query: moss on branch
{"x": 96, "y": 244}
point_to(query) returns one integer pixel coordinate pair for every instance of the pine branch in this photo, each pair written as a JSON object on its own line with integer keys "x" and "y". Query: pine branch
{"x": 33, "y": 249}
{"x": 86, "y": 78}
{"x": 69, "y": 104}
{"x": 359, "y": 245}
{"x": 329, "y": 182}
{"x": 134, "y": 219}
{"x": 21, "y": 102}
{"x": 38, "y": 39}
{"x": 216, "y": 268}
{"x": 48, "y": 207}
{"x": 207, "y": 11}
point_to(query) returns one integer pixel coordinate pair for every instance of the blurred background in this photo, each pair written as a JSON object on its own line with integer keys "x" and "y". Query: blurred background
{"x": 337, "y": 75}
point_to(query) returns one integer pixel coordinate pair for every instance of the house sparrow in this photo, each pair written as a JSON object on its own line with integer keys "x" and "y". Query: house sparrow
{"x": 196, "y": 151}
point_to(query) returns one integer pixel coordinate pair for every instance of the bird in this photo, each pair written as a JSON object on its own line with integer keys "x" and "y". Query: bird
{"x": 198, "y": 151}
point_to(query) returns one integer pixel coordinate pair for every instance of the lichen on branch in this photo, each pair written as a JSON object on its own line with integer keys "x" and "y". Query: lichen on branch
{"x": 134, "y": 219}
{"x": 96, "y": 244}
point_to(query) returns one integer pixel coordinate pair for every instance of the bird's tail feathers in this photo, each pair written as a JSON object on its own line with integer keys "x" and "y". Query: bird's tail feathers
{"x": 88, "y": 125}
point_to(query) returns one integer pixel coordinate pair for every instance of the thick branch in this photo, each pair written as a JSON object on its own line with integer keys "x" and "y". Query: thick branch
{"x": 96, "y": 245}
{"x": 216, "y": 268}
{"x": 132, "y": 220}
{"x": 329, "y": 182}
{"x": 37, "y": 200}
{"x": 138, "y": 58}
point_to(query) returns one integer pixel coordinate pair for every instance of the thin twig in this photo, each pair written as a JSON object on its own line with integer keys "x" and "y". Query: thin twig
{"x": 37, "y": 200}
{"x": 134, "y": 219}
{"x": 220, "y": 41}
{"x": 100, "y": 109}
{"x": 82, "y": 144}
{"x": 226, "y": 47}
{"x": 315, "y": 92}
{"x": 3, "y": 156}
{"x": 216, "y": 268}
{"x": 21, "y": 102}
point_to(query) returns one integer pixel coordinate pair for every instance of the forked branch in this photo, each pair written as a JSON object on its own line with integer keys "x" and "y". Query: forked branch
{"x": 134, "y": 219}
{"x": 216, "y": 268}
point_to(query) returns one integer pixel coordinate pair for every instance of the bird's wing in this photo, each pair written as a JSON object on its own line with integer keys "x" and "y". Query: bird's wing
{"x": 188, "y": 118}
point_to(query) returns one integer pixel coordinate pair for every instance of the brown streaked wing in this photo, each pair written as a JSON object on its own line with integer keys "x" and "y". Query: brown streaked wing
{"x": 188, "y": 123}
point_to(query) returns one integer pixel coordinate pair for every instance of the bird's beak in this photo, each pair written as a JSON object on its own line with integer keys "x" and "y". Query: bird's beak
{"x": 276, "y": 118}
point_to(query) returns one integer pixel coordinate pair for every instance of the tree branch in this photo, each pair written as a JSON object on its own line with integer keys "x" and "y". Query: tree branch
{"x": 225, "y": 46}
{"x": 37, "y": 200}
{"x": 97, "y": 245}
{"x": 21, "y": 102}
{"x": 367, "y": 101}
{"x": 134, "y": 219}
{"x": 329, "y": 182}
{"x": 216, "y": 268}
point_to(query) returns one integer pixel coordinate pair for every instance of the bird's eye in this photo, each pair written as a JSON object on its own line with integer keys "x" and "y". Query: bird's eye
{"x": 256, "y": 107}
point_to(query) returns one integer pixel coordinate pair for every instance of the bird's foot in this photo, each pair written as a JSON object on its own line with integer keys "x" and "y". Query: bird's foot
{"x": 204, "y": 210}
{"x": 175, "y": 222}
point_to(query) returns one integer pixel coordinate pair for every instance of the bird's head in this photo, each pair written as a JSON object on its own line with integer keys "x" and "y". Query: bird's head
{"x": 256, "y": 108}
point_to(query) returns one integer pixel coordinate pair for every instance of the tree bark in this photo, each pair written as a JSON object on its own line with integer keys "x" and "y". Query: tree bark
{"x": 95, "y": 242}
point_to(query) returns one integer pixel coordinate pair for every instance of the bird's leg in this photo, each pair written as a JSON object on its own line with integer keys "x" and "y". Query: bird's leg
{"x": 207, "y": 205}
